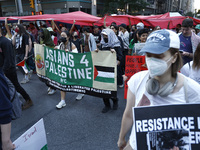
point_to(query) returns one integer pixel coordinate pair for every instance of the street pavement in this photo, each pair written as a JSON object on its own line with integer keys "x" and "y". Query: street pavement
{"x": 78, "y": 126}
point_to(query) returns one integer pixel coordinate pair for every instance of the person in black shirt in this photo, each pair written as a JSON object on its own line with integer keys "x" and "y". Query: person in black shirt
{"x": 97, "y": 35}
{"x": 21, "y": 42}
{"x": 5, "y": 103}
{"x": 7, "y": 60}
{"x": 77, "y": 42}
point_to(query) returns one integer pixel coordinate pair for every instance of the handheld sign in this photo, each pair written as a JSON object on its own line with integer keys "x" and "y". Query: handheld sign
{"x": 134, "y": 64}
{"x": 33, "y": 139}
{"x": 167, "y": 127}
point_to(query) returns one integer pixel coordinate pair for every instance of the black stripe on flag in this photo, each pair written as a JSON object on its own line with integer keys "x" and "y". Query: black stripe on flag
{"x": 105, "y": 69}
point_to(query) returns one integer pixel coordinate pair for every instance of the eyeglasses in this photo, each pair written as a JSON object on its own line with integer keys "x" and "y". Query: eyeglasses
{"x": 112, "y": 28}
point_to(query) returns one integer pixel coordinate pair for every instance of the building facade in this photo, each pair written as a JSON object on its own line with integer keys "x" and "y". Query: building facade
{"x": 163, "y": 6}
{"x": 9, "y": 7}
{"x": 94, "y": 7}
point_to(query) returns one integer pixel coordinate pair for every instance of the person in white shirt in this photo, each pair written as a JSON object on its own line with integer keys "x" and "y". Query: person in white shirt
{"x": 161, "y": 84}
{"x": 192, "y": 69}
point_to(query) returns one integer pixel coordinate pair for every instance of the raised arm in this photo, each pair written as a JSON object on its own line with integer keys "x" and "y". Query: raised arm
{"x": 54, "y": 26}
{"x": 7, "y": 28}
{"x": 129, "y": 24}
{"x": 72, "y": 27}
{"x": 104, "y": 22}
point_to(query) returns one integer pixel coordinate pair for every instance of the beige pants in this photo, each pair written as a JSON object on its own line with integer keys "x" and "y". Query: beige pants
{"x": 128, "y": 146}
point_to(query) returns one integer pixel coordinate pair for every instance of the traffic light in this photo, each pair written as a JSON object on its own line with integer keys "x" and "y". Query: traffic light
{"x": 32, "y": 4}
{"x": 41, "y": 12}
{"x": 32, "y": 13}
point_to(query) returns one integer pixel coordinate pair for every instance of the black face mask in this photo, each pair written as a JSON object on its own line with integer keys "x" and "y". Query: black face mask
{"x": 63, "y": 39}
{"x": 105, "y": 40}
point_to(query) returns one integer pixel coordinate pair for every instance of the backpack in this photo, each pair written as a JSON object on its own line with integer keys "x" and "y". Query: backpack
{"x": 14, "y": 98}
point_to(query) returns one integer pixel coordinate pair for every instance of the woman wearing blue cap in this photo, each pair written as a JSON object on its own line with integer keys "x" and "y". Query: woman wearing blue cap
{"x": 161, "y": 84}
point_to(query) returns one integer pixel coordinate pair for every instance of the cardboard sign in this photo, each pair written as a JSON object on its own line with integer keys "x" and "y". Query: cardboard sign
{"x": 167, "y": 127}
{"x": 33, "y": 139}
{"x": 134, "y": 64}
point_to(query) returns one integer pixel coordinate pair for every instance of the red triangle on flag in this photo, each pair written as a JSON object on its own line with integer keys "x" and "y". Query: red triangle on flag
{"x": 21, "y": 63}
{"x": 95, "y": 72}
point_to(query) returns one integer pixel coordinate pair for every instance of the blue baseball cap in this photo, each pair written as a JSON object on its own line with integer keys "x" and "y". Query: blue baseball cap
{"x": 160, "y": 41}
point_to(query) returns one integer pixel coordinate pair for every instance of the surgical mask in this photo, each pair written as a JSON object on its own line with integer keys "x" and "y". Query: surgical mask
{"x": 157, "y": 66}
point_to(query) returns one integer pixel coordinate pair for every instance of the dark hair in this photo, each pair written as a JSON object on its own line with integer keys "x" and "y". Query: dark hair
{"x": 3, "y": 31}
{"x": 135, "y": 39}
{"x": 157, "y": 27}
{"x": 123, "y": 25}
{"x": 94, "y": 27}
{"x": 187, "y": 22}
{"x": 196, "y": 60}
{"x": 22, "y": 30}
{"x": 177, "y": 65}
{"x": 142, "y": 31}
{"x": 67, "y": 33}
{"x": 86, "y": 28}
{"x": 115, "y": 26}
{"x": 113, "y": 23}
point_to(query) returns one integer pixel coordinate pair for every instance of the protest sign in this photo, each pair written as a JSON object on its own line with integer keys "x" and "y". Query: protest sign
{"x": 89, "y": 73}
{"x": 134, "y": 64}
{"x": 167, "y": 126}
{"x": 33, "y": 139}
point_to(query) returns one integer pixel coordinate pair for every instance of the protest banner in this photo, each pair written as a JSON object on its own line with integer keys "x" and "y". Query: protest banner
{"x": 89, "y": 73}
{"x": 33, "y": 139}
{"x": 134, "y": 64}
{"x": 167, "y": 127}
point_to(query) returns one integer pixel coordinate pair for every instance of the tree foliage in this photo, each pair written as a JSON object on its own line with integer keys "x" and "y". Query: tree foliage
{"x": 191, "y": 14}
{"x": 111, "y": 6}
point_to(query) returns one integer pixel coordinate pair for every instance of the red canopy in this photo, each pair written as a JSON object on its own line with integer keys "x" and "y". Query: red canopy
{"x": 155, "y": 20}
{"x": 80, "y": 17}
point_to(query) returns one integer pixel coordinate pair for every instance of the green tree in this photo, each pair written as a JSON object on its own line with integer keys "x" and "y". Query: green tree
{"x": 111, "y": 6}
{"x": 191, "y": 14}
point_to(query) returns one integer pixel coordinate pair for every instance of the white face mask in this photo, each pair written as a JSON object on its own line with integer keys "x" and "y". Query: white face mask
{"x": 157, "y": 66}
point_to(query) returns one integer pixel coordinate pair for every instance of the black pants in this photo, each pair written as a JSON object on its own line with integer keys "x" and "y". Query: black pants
{"x": 0, "y": 140}
{"x": 13, "y": 78}
{"x": 125, "y": 52}
{"x": 119, "y": 75}
{"x": 107, "y": 101}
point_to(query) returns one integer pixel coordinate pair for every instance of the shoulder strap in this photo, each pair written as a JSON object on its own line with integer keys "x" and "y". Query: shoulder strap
{"x": 70, "y": 45}
{"x": 185, "y": 90}
{"x": 189, "y": 65}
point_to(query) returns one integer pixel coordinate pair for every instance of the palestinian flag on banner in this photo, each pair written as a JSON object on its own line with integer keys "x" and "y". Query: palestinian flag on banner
{"x": 104, "y": 74}
{"x": 24, "y": 66}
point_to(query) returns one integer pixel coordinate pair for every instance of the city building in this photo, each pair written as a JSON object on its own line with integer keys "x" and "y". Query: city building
{"x": 94, "y": 7}
{"x": 12, "y": 7}
{"x": 163, "y": 6}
